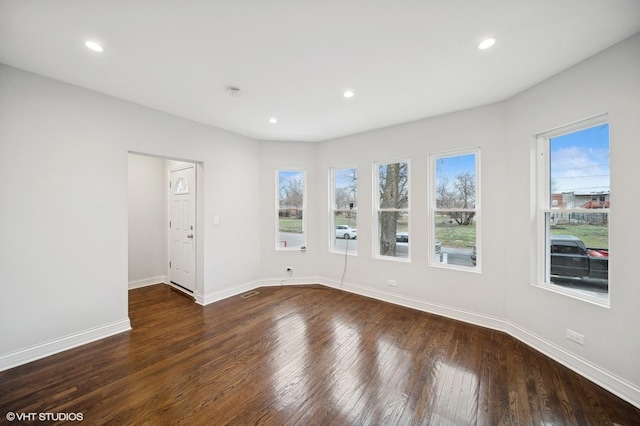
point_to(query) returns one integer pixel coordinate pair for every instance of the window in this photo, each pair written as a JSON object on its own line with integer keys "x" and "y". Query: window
{"x": 344, "y": 210}
{"x": 182, "y": 186}
{"x": 455, "y": 209}
{"x": 391, "y": 217}
{"x": 291, "y": 203}
{"x": 573, "y": 187}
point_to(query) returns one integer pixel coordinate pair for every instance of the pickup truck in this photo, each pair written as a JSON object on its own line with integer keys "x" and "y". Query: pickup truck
{"x": 570, "y": 257}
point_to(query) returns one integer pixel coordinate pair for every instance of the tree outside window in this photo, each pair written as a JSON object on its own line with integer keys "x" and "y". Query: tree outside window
{"x": 392, "y": 209}
{"x": 455, "y": 208}
{"x": 290, "y": 212}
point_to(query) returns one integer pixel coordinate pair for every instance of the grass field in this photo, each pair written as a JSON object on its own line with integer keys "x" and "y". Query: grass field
{"x": 461, "y": 236}
{"x": 290, "y": 225}
{"x": 594, "y": 236}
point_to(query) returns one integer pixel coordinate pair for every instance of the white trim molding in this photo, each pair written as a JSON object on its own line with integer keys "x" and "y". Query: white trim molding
{"x": 603, "y": 378}
{"x": 609, "y": 381}
{"x": 43, "y": 350}
{"x": 160, "y": 279}
{"x": 206, "y": 299}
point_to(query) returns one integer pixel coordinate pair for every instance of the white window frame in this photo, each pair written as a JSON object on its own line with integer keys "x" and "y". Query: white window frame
{"x": 377, "y": 210}
{"x": 541, "y": 256}
{"x": 433, "y": 210}
{"x": 333, "y": 210}
{"x": 303, "y": 246}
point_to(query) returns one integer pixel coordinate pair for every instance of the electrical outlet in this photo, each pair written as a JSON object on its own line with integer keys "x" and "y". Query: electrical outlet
{"x": 576, "y": 337}
{"x": 392, "y": 283}
{"x": 289, "y": 269}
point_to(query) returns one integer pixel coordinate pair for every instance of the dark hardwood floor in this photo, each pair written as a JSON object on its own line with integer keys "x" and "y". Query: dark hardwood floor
{"x": 304, "y": 355}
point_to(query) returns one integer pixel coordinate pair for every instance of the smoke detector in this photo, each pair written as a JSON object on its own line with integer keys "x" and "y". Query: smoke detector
{"x": 234, "y": 91}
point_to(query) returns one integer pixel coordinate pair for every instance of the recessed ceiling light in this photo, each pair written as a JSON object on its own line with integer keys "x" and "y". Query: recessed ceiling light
{"x": 348, "y": 94}
{"x": 273, "y": 120}
{"x": 96, "y": 47}
{"x": 487, "y": 43}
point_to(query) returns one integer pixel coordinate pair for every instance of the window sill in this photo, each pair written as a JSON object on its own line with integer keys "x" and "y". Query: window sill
{"x": 393, "y": 259}
{"x": 475, "y": 269}
{"x": 589, "y": 296}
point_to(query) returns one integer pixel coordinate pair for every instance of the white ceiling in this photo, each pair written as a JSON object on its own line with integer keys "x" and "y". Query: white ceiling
{"x": 292, "y": 59}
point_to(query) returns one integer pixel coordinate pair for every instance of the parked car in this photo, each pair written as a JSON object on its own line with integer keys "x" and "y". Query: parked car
{"x": 570, "y": 257}
{"x": 346, "y": 232}
{"x": 403, "y": 237}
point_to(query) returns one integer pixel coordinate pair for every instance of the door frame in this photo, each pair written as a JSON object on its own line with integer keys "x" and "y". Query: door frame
{"x": 195, "y": 230}
{"x": 199, "y": 228}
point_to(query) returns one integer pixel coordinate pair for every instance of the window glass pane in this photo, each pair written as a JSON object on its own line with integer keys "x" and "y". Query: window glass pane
{"x": 394, "y": 185}
{"x": 346, "y": 189}
{"x": 346, "y": 233}
{"x": 574, "y": 210}
{"x": 579, "y": 250}
{"x": 394, "y": 233}
{"x": 455, "y": 216}
{"x": 456, "y": 184}
{"x": 182, "y": 186}
{"x": 344, "y": 210}
{"x": 290, "y": 211}
{"x": 579, "y": 169}
{"x": 291, "y": 187}
{"x": 455, "y": 242}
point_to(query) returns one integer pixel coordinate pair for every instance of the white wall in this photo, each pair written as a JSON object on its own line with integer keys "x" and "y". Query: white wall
{"x": 298, "y": 156}
{"x": 147, "y": 241}
{"x": 480, "y": 293}
{"x": 606, "y": 83}
{"x": 502, "y": 295}
{"x": 63, "y": 234}
{"x": 63, "y": 164}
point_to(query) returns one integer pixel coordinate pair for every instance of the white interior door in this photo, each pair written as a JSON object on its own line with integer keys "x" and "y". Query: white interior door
{"x": 182, "y": 220}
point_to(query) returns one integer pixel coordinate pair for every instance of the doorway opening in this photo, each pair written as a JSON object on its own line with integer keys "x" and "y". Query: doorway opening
{"x": 164, "y": 237}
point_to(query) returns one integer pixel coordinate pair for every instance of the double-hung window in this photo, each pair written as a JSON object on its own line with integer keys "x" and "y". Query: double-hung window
{"x": 290, "y": 211}
{"x": 344, "y": 210}
{"x": 455, "y": 209}
{"x": 573, "y": 199}
{"x": 391, "y": 215}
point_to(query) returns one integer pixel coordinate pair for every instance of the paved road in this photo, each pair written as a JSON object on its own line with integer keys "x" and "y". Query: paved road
{"x": 457, "y": 256}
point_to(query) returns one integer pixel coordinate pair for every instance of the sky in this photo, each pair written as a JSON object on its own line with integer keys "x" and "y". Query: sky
{"x": 285, "y": 176}
{"x": 449, "y": 167}
{"x": 343, "y": 177}
{"x": 580, "y": 161}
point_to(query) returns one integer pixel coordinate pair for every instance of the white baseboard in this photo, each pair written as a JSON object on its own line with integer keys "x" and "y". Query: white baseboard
{"x": 206, "y": 299}
{"x": 148, "y": 281}
{"x": 603, "y": 378}
{"x": 55, "y": 346}
{"x": 609, "y": 381}
{"x": 614, "y": 384}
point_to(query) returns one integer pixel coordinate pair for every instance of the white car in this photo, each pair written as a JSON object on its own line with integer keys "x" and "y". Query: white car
{"x": 346, "y": 232}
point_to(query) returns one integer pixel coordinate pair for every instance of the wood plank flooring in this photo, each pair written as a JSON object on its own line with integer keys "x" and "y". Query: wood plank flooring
{"x": 304, "y": 355}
